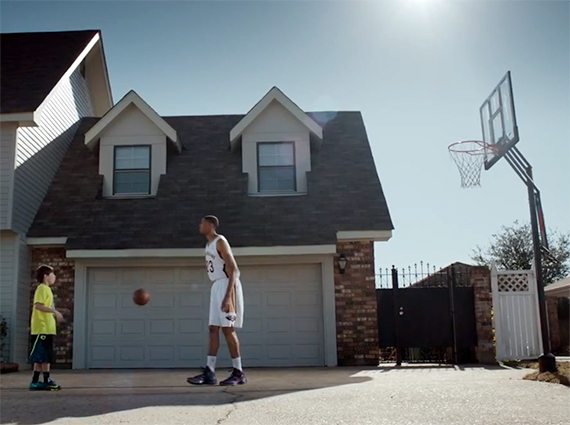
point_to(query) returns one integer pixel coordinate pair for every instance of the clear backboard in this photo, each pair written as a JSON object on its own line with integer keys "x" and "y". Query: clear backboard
{"x": 498, "y": 121}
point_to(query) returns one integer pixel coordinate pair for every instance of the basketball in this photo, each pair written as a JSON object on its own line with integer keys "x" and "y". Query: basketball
{"x": 141, "y": 297}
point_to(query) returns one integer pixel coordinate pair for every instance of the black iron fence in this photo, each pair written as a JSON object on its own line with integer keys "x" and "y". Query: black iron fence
{"x": 426, "y": 314}
{"x": 424, "y": 275}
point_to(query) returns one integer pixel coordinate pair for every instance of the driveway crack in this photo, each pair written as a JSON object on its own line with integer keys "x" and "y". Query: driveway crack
{"x": 233, "y": 403}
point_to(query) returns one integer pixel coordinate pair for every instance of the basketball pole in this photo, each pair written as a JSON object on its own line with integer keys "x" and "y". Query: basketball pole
{"x": 547, "y": 361}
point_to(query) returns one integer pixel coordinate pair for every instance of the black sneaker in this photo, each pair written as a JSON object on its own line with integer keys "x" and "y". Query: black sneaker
{"x": 207, "y": 377}
{"x": 236, "y": 378}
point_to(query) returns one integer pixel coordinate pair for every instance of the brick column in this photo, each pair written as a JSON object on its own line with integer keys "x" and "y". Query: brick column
{"x": 481, "y": 281}
{"x": 356, "y": 305}
{"x": 553, "y": 323}
{"x": 63, "y": 292}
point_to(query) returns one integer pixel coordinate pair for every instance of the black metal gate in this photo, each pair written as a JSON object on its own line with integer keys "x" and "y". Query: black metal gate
{"x": 426, "y": 316}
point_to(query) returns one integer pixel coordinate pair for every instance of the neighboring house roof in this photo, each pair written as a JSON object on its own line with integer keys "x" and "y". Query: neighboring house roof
{"x": 559, "y": 289}
{"x": 344, "y": 193}
{"x": 441, "y": 277}
{"x": 31, "y": 64}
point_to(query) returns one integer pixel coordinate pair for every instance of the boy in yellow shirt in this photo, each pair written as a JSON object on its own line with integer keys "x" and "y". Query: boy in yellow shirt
{"x": 43, "y": 329}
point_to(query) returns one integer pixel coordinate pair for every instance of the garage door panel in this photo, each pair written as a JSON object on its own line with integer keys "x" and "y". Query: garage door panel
{"x": 162, "y": 276}
{"x": 161, "y": 328}
{"x": 191, "y": 354}
{"x": 191, "y": 326}
{"x": 161, "y": 353}
{"x": 196, "y": 275}
{"x": 103, "y": 276}
{"x": 282, "y": 327}
{"x": 193, "y": 301}
{"x": 131, "y": 276}
{"x": 108, "y": 301}
{"x": 161, "y": 300}
{"x": 132, "y": 354}
{"x": 130, "y": 328}
{"x": 103, "y": 328}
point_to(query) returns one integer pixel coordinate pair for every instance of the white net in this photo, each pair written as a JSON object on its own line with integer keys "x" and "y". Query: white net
{"x": 469, "y": 156}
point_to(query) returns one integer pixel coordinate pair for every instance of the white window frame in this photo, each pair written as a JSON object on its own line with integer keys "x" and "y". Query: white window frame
{"x": 293, "y": 166}
{"x": 138, "y": 170}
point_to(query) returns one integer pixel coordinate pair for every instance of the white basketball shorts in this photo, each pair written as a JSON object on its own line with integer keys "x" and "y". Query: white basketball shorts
{"x": 218, "y": 317}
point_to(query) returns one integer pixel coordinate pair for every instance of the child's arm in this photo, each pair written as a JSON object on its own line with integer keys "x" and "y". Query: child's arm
{"x": 40, "y": 304}
{"x": 41, "y": 307}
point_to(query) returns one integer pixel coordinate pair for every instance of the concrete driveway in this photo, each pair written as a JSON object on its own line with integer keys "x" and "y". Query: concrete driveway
{"x": 415, "y": 395}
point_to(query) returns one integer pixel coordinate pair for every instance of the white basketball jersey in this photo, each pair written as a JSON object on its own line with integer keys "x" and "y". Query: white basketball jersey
{"x": 215, "y": 264}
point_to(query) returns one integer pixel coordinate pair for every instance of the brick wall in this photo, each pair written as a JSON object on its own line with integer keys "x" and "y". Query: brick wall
{"x": 481, "y": 281}
{"x": 553, "y": 323}
{"x": 63, "y": 292}
{"x": 356, "y": 317}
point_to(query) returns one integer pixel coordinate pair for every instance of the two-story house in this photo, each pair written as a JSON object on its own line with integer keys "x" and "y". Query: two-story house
{"x": 48, "y": 82}
{"x": 298, "y": 197}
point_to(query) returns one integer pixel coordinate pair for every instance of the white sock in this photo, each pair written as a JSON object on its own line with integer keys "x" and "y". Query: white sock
{"x": 211, "y": 363}
{"x": 236, "y": 363}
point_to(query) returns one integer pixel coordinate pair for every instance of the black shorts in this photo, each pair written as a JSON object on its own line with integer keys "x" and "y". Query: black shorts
{"x": 42, "y": 349}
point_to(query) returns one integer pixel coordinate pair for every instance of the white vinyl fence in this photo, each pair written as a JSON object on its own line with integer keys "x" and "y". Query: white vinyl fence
{"x": 516, "y": 314}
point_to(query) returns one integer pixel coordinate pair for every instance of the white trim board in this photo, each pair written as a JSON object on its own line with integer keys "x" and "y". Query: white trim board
{"x": 364, "y": 235}
{"x": 199, "y": 252}
{"x": 24, "y": 119}
{"x": 131, "y": 98}
{"x": 46, "y": 241}
{"x": 279, "y": 96}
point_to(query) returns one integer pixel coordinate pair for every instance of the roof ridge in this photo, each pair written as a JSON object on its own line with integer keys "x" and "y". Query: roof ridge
{"x": 50, "y": 32}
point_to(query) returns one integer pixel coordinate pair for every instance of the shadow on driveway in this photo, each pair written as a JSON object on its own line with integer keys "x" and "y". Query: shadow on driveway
{"x": 87, "y": 394}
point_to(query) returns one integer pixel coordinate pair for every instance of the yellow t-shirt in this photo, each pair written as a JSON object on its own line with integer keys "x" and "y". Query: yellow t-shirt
{"x": 43, "y": 323}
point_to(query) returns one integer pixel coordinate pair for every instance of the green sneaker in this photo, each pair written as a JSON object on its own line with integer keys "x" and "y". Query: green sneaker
{"x": 52, "y": 386}
{"x": 39, "y": 386}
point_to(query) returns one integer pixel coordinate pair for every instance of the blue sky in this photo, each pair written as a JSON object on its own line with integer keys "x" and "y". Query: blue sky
{"x": 417, "y": 69}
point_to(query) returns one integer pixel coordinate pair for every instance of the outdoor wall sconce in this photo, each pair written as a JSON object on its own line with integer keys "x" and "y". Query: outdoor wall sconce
{"x": 342, "y": 261}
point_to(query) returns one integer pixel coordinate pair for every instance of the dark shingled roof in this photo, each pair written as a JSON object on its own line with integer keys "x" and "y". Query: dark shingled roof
{"x": 344, "y": 194}
{"x": 31, "y": 64}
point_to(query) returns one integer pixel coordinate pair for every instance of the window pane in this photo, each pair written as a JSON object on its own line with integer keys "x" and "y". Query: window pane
{"x": 285, "y": 160}
{"x": 284, "y": 149}
{"x": 132, "y": 182}
{"x": 132, "y": 157}
{"x": 123, "y": 152}
{"x": 267, "y": 149}
{"x": 272, "y": 154}
{"x": 123, "y": 163}
{"x": 267, "y": 160}
{"x": 276, "y": 179}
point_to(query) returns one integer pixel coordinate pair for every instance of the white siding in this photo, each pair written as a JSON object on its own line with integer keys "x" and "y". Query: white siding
{"x": 276, "y": 124}
{"x": 8, "y": 261}
{"x": 41, "y": 149}
{"x": 21, "y": 336}
{"x": 130, "y": 128}
{"x": 7, "y": 151}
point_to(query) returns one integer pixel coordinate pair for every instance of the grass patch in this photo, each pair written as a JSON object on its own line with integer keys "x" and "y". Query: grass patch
{"x": 562, "y": 376}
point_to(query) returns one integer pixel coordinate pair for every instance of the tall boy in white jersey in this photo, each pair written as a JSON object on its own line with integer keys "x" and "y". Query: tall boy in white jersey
{"x": 226, "y": 305}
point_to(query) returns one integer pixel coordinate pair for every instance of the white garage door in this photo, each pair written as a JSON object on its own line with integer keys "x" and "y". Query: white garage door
{"x": 283, "y": 317}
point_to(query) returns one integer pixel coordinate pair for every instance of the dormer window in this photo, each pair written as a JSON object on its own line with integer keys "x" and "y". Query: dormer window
{"x": 276, "y": 167}
{"x": 131, "y": 175}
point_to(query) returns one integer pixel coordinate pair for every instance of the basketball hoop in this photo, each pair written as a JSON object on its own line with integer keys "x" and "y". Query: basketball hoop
{"x": 469, "y": 156}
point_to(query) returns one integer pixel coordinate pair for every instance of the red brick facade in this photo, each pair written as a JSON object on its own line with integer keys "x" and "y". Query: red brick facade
{"x": 63, "y": 291}
{"x": 481, "y": 281}
{"x": 356, "y": 306}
